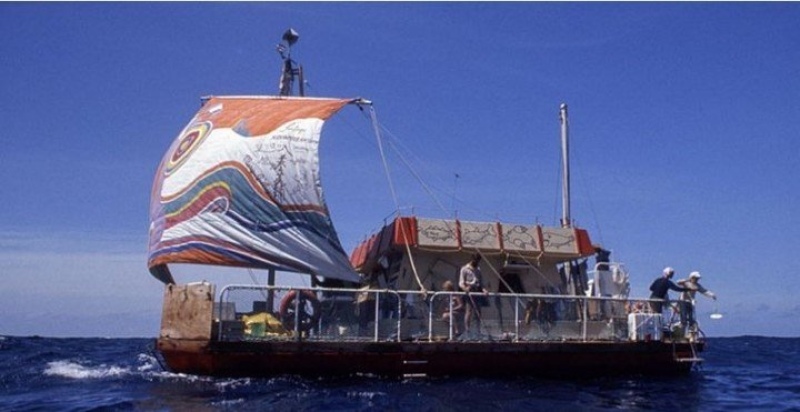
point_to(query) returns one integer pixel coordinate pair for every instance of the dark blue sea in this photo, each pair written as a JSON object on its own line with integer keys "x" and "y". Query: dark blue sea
{"x": 78, "y": 374}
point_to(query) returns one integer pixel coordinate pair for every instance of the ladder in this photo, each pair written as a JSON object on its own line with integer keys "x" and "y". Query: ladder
{"x": 694, "y": 359}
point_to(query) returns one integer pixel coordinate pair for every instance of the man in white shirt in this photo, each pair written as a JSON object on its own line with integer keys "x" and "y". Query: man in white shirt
{"x": 470, "y": 280}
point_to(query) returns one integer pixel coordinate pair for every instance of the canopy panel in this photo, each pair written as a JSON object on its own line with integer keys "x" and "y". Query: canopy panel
{"x": 556, "y": 244}
{"x": 240, "y": 186}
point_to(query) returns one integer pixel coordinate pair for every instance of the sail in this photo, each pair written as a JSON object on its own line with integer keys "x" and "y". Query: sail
{"x": 240, "y": 187}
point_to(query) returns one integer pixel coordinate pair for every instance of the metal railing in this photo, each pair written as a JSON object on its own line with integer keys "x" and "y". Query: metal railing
{"x": 246, "y": 312}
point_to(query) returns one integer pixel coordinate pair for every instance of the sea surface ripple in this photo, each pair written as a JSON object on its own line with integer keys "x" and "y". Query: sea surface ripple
{"x": 82, "y": 374}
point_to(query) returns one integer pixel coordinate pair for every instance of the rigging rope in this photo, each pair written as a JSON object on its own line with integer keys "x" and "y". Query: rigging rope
{"x": 375, "y": 126}
{"x": 378, "y": 127}
{"x": 589, "y": 198}
{"x": 430, "y": 192}
{"x": 255, "y": 282}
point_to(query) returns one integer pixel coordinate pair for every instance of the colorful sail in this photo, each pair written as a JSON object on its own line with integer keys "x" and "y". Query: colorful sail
{"x": 240, "y": 187}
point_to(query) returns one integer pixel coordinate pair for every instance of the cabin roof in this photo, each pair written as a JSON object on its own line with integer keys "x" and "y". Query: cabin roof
{"x": 418, "y": 234}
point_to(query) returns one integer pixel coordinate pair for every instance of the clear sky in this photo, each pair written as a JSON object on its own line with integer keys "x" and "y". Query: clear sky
{"x": 685, "y": 119}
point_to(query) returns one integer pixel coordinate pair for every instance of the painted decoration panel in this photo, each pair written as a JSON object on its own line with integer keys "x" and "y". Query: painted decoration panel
{"x": 559, "y": 240}
{"x": 521, "y": 239}
{"x": 437, "y": 233}
{"x": 480, "y": 235}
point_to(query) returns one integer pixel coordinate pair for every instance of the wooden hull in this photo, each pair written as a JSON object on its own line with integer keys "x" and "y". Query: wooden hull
{"x": 398, "y": 359}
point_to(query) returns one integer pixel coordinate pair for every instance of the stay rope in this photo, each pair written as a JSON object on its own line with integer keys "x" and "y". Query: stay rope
{"x": 377, "y": 129}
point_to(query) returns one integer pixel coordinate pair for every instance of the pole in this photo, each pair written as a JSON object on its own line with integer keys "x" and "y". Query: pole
{"x": 270, "y": 291}
{"x": 565, "y": 217}
{"x": 302, "y": 81}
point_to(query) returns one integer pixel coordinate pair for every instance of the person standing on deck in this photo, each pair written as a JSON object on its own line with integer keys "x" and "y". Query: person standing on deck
{"x": 692, "y": 286}
{"x": 365, "y": 301}
{"x": 454, "y": 313}
{"x": 471, "y": 280}
{"x": 660, "y": 289}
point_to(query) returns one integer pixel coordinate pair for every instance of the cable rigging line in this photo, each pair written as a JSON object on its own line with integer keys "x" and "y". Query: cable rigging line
{"x": 395, "y": 144}
{"x": 376, "y": 127}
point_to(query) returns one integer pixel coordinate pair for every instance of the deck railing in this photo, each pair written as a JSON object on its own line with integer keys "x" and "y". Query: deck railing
{"x": 245, "y": 312}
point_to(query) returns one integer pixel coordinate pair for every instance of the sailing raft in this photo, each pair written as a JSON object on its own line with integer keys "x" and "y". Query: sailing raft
{"x": 240, "y": 187}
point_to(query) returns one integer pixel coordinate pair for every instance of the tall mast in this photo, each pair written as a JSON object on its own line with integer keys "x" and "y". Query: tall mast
{"x": 566, "y": 220}
{"x": 289, "y": 71}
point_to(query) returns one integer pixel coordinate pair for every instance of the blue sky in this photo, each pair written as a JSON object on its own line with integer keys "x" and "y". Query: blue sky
{"x": 685, "y": 119}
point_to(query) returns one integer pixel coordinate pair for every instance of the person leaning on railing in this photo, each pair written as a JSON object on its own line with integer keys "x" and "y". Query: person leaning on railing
{"x": 692, "y": 286}
{"x": 660, "y": 289}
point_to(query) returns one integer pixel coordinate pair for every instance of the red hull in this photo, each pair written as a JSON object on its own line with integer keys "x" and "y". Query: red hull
{"x": 256, "y": 359}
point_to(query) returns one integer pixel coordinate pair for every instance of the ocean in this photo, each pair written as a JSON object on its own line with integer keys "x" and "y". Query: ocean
{"x": 83, "y": 374}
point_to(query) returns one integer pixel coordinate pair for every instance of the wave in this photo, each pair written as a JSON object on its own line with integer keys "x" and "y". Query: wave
{"x": 365, "y": 395}
{"x": 78, "y": 374}
{"x": 146, "y": 366}
{"x": 73, "y": 370}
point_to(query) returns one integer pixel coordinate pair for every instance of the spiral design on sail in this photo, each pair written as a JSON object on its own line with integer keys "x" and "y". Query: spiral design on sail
{"x": 240, "y": 187}
{"x": 188, "y": 141}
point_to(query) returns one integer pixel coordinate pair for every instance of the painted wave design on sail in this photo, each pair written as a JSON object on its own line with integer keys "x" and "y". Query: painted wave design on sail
{"x": 240, "y": 187}
{"x": 212, "y": 194}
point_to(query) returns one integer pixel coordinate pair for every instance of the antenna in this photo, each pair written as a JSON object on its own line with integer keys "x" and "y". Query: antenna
{"x": 289, "y": 71}
{"x": 453, "y": 198}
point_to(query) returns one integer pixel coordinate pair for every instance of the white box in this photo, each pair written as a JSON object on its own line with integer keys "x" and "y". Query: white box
{"x": 644, "y": 326}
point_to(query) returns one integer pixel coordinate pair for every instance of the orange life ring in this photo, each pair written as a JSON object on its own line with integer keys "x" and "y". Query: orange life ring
{"x": 309, "y": 310}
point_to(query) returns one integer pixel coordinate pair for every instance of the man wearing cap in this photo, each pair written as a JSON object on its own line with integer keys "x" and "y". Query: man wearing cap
{"x": 660, "y": 289}
{"x": 692, "y": 286}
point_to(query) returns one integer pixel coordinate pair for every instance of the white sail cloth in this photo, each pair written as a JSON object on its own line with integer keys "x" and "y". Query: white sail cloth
{"x": 240, "y": 186}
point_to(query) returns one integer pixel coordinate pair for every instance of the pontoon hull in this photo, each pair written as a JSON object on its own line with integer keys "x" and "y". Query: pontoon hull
{"x": 398, "y": 359}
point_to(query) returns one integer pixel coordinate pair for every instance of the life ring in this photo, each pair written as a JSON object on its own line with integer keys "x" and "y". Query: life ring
{"x": 309, "y": 310}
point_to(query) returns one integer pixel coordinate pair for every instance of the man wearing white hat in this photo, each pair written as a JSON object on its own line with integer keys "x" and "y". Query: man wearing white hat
{"x": 692, "y": 286}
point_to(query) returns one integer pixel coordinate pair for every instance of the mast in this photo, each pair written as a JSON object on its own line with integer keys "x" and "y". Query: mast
{"x": 566, "y": 220}
{"x": 577, "y": 279}
{"x": 289, "y": 71}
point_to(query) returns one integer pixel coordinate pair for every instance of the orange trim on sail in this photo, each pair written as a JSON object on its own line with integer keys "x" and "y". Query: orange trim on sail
{"x": 263, "y": 115}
